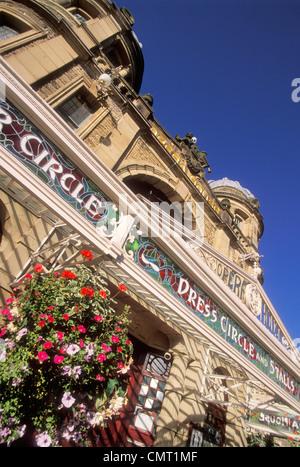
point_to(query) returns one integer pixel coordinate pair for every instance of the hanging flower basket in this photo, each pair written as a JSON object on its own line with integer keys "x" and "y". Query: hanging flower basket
{"x": 64, "y": 358}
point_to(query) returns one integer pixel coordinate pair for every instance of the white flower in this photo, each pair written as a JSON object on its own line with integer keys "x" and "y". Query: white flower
{"x": 98, "y": 419}
{"x": 14, "y": 311}
{"x": 43, "y": 440}
{"x": 67, "y": 400}
{"x": 116, "y": 404}
{"x": 16, "y": 381}
{"x": 10, "y": 344}
{"x": 21, "y": 430}
{"x": 11, "y": 327}
{"x": 73, "y": 349}
{"x": 67, "y": 370}
{"x": 90, "y": 349}
{"x": 77, "y": 371}
{"x": 21, "y": 333}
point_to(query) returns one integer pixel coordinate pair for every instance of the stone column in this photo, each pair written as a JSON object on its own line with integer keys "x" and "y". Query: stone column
{"x": 168, "y": 417}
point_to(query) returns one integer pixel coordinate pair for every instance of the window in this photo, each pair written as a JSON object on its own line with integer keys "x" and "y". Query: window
{"x": 6, "y": 32}
{"x": 75, "y": 111}
{"x": 80, "y": 15}
{"x": 16, "y": 30}
{"x": 238, "y": 221}
{"x": 151, "y": 392}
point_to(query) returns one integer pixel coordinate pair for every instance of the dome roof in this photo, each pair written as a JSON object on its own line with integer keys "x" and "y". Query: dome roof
{"x": 225, "y": 182}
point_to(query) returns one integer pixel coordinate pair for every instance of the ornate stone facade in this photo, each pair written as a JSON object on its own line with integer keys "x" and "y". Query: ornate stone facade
{"x": 51, "y": 65}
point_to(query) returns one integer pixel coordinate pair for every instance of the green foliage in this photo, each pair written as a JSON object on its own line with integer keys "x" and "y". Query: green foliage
{"x": 257, "y": 440}
{"x": 64, "y": 357}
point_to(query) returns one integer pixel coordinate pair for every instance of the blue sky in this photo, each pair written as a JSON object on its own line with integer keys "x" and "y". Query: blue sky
{"x": 223, "y": 70}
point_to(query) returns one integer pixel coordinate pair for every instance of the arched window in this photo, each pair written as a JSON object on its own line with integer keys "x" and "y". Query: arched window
{"x": 15, "y": 30}
{"x": 6, "y": 32}
{"x": 83, "y": 10}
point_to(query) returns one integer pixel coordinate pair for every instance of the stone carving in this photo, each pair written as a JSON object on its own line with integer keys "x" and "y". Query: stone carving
{"x": 253, "y": 299}
{"x": 196, "y": 159}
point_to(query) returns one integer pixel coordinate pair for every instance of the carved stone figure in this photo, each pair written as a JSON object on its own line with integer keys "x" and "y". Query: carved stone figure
{"x": 196, "y": 159}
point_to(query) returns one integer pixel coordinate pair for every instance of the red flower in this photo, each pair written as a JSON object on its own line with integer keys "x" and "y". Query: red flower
{"x": 98, "y": 318}
{"x": 122, "y": 287}
{"x": 48, "y": 345}
{"x": 128, "y": 342}
{"x": 60, "y": 335}
{"x": 87, "y": 253}
{"x": 89, "y": 292}
{"x": 50, "y": 319}
{"x": 58, "y": 359}
{"x": 81, "y": 328}
{"x": 65, "y": 317}
{"x": 42, "y": 356}
{"x": 115, "y": 339}
{"x": 38, "y": 268}
{"x": 103, "y": 294}
{"x": 119, "y": 349}
{"x": 42, "y": 323}
{"x": 68, "y": 275}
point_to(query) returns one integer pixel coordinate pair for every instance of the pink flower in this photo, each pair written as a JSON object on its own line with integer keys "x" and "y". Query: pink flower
{"x": 120, "y": 365}
{"x": 43, "y": 316}
{"x": 99, "y": 377}
{"x": 5, "y": 311}
{"x": 81, "y": 343}
{"x": 115, "y": 339}
{"x": 58, "y": 359}
{"x": 48, "y": 345}
{"x": 101, "y": 357}
{"x": 98, "y": 318}
{"x": 60, "y": 335}
{"x": 118, "y": 329}
{"x": 9, "y": 300}
{"x": 2, "y": 332}
{"x": 28, "y": 276}
{"x": 51, "y": 307}
{"x": 81, "y": 328}
{"x": 42, "y": 356}
{"x": 67, "y": 400}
